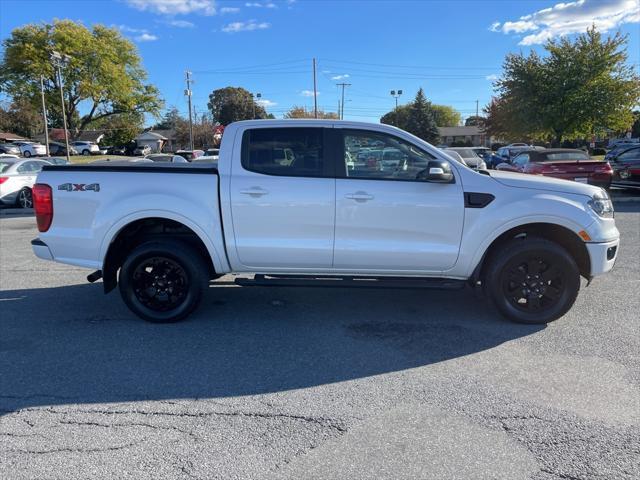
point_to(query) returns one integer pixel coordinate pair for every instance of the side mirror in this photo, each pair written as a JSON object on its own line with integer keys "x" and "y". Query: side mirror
{"x": 437, "y": 171}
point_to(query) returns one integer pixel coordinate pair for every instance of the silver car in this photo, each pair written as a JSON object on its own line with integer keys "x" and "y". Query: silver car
{"x": 471, "y": 158}
{"x": 17, "y": 177}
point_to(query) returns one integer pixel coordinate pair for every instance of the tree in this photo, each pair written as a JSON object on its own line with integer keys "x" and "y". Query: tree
{"x": 302, "y": 112}
{"x": 580, "y": 88}
{"x": 398, "y": 117}
{"x": 104, "y": 73}
{"x": 475, "y": 121}
{"x": 635, "y": 128}
{"x": 232, "y": 104}
{"x": 169, "y": 120}
{"x": 446, "y": 116}
{"x": 20, "y": 117}
{"x": 421, "y": 122}
{"x": 120, "y": 129}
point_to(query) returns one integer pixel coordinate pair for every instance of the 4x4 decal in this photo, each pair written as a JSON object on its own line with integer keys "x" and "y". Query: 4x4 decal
{"x": 79, "y": 187}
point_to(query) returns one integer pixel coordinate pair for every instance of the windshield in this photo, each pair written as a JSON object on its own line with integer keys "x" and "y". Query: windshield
{"x": 575, "y": 156}
{"x": 464, "y": 153}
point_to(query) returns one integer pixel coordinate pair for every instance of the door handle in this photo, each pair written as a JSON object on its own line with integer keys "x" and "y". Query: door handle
{"x": 359, "y": 196}
{"x": 254, "y": 192}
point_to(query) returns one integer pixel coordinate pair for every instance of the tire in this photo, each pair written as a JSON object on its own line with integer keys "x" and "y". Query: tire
{"x": 26, "y": 154}
{"x": 86, "y": 152}
{"x": 25, "y": 198}
{"x": 532, "y": 280}
{"x": 163, "y": 281}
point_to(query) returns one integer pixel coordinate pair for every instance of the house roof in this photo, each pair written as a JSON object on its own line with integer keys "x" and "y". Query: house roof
{"x": 151, "y": 135}
{"x": 7, "y": 137}
{"x": 91, "y": 136}
{"x": 459, "y": 131}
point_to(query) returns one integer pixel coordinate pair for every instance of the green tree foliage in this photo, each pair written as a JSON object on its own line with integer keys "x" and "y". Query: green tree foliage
{"x": 232, "y": 104}
{"x": 635, "y": 128}
{"x": 104, "y": 72}
{"x": 169, "y": 120}
{"x": 581, "y": 87}
{"x": 120, "y": 129}
{"x": 446, "y": 116}
{"x": 302, "y": 112}
{"x": 475, "y": 121}
{"x": 416, "y": 117}
{"x": 421, "y": 120}
{"x": 21, "y": 117}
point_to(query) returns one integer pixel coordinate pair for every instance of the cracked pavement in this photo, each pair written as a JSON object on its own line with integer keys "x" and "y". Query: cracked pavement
{"x": 314, "y": 383}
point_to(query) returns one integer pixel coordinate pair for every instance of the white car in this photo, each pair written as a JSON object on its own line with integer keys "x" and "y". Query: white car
{"x": 17, "y": 177}
{"x": 166, "y": 157}
{"x": 162, "y": 231}
{"x": 30, "y": 149}
{"x": 470, "y": 157}
{"x": 86, "y": 148}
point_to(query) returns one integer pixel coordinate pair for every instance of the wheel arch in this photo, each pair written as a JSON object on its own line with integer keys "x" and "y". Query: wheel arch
{"x": 134, "y": 230}
{"x": 560, "y": 234}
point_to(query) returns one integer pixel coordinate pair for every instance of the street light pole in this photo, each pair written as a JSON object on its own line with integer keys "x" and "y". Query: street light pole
{"x": 187, "y": 92}
{"x": 342, "y": 103}
{"x": 58, "y": 60}
{"x": 44, "y": 116}
{"x": 395, "y": 94}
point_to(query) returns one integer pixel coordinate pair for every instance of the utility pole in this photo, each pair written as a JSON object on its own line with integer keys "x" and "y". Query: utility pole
{"x": 44, "y": 116}
{"x": 315, "y": 91}
{"x": 58, "y": 60}
{"x": 477, "y": 110}
{"x": 342, "y": 103}
{"x": 395, "y": 94}
{"x": 253, "y": 101}
{"x": 187, "y": 92}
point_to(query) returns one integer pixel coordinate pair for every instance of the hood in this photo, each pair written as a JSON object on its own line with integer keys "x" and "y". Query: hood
{"x": 538, "y": 182}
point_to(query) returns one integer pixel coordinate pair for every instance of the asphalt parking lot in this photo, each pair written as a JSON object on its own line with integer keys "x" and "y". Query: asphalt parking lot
{"x": 314, "y": 383}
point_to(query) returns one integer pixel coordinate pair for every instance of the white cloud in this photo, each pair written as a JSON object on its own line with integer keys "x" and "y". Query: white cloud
{"x": 340, "y": 77}
{"x": 175, "y": 7}
{"x": 571, "y": 17}
{"x": 128, "y": 29}
{"x": 307, "y": 93}
{"x": 146, "y": 37}
{"x": 260, "y": 5}
{"x": 492, "y": 78}
{"x": 266, "y": 103}
{"x": 247, "y": 26}
{"x": 229, "y": 10}
{"x": 181, "y": 23}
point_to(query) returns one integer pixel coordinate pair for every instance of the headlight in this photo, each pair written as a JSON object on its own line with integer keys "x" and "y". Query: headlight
{"x": 601, "y": 204}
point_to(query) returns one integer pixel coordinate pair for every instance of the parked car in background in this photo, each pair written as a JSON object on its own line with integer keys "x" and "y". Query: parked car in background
{"x": 121, "y": 161}
{"x": 56, "y": 160}
{"x": 626, "y": 169}
{"x": 614, "y": 142}
{"x": 116, "y": 150}
{"x": 509, "y": 152}
{"x": 454, "y": 155}
{"x": 213, "y": 159}
{"x": 59, "y": 148}
{"x": 102, "y": 150}
{"x": 142, "y": 150}
{"x": 9, "y": 149}
{"x": 166, "y": 157}
{"x": 484, "y": 153}
{"x": 471, "y": 158}
{"x": 190, "y": 154}
{"x": 564, "y": 163}
{"x": 86, "y": 148}
{"x": 518, "y": 144}
{"x": 31, "y": 149}
{"x": 212, "y": 152}
{"x": 17, "y": 177}
{"x": 618, "y": 150}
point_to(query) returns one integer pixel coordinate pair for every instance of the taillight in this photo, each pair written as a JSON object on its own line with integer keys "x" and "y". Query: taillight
{"x": 3, "y": 179}
{"x": 605, "y": 168}
{"x": 43, "y": 205}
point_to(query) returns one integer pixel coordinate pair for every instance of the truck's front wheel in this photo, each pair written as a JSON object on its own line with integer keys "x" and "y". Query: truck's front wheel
{"x": 163, "y": 281}
{"x": 532, "y": 280}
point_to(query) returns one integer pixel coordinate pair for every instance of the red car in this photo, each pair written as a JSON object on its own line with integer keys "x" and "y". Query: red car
{"x": 564, "y": 163}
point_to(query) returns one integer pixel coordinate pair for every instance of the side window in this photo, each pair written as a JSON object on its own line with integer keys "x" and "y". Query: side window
{"x": 378, "y": 156}
{"x": 630, "y": 155}
{"x": 521, "y": 159}
{"x": 293, "y": 152}
{"x": 27, "y": 167}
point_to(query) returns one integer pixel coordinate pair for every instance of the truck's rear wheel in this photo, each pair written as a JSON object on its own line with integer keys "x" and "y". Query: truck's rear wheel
{"x": 163, "y": 281}
{"x": 532, "y": 280}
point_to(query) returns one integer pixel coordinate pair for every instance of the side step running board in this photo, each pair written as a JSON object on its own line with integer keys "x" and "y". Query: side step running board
{"x": 261, "y": 280}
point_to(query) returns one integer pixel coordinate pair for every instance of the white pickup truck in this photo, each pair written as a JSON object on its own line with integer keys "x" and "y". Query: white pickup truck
{"x": 309, "y": 202}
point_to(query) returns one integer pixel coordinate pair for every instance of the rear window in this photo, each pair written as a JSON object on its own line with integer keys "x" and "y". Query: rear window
{"x": 294, "y": 152}
{"x": 4, "y": 166}
{"x": 553, "y": 157}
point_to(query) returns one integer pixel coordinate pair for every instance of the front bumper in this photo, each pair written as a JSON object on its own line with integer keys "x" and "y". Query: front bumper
{"x": 40, "y": 249}
{"x": 603, "y": 256}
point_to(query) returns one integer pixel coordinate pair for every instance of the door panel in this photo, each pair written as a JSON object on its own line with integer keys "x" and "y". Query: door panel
{"x": 384, "y": 220}
{"x": 282, "y": 203}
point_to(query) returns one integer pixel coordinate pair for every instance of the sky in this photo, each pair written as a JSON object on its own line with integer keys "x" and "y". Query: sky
{"x": 453, "y": 49}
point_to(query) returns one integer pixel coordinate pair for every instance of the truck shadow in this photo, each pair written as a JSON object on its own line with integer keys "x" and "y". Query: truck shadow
{"x": 74, "y": 345}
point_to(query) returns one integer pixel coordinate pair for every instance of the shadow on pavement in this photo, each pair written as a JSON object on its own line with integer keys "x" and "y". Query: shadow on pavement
{"x": 75, "y": 345}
